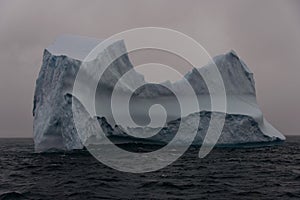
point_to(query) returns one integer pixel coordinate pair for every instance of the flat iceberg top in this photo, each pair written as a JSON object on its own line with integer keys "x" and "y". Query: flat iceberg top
{"x": 77, "y": 47}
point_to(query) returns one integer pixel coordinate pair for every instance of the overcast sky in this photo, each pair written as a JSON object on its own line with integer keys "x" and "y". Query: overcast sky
{"x": 265, "y": 34}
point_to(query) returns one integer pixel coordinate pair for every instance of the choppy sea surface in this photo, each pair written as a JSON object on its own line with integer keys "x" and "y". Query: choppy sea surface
{"x": 270, "y": 172}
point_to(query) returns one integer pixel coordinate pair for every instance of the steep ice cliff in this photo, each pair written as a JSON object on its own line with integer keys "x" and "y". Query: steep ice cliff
{"x": 53, "y": 118}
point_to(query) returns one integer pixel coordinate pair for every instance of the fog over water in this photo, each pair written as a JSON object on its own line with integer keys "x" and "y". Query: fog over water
{"x": 265, "y": 34}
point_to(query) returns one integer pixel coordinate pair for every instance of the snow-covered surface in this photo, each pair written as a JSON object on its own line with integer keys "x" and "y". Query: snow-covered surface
{"x": 54, "y": 127}
{"x": 53, "y": 123}
{"x": 238, "y": 129}
{"x": 77, "y": 47}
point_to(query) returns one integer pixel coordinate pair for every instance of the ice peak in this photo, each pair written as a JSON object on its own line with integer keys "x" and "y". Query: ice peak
{"x": 233, "y": 53}
{"x": 77, "y": 47}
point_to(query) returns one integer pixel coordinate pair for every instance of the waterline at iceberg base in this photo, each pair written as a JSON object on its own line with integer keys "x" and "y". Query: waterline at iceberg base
{"x": 54, "y": 126}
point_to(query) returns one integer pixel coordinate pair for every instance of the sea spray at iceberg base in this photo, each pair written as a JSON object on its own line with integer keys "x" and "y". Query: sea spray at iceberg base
{"x": 54, "y": 126}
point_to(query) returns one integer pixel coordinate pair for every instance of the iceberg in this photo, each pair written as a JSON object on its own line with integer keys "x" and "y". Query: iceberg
{"x": 54, "y": 126}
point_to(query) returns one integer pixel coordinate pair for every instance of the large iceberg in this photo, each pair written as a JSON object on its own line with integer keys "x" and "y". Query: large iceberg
{"x": 54, "y": 126}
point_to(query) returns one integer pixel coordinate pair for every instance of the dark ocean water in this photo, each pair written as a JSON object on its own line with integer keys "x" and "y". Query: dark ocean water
{"x": 226, "y": 173}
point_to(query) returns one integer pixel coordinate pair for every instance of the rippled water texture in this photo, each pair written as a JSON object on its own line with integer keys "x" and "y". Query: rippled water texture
{"x": 226, "y": 173}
